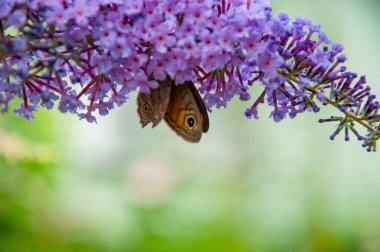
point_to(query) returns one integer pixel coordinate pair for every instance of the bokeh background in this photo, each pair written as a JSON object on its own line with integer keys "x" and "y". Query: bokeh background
{"x": 66, "y": 185}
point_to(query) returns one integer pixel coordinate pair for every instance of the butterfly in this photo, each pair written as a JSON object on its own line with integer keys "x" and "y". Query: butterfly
{"x": 180, "y": 106}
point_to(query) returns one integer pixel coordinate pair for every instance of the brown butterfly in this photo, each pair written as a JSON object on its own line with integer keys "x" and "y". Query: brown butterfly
{"x": 181, "y": 106}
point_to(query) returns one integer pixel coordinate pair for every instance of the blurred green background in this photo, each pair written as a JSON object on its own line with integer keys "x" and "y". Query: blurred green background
{"x": 66, "y": 185}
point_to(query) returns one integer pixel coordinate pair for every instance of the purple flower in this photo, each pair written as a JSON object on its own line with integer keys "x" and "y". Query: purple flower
{"x": 17, "y": 19}
{"x": 81, "y": 11}
{"x": 156, "y": 67}
{"x": 57, "y": 14}
{"x": 270, "y": 62}
{"x": 26, "y": 112}
{"x": 5, "y": 8}
{"x": 88, "y": 117}
{"x": 89, "y": 55}
{"x": 321, "y": 58}
{"x": 133, "y": 7}
{"x": 143, "y": 83}
{"x": 120, "y": 49}
{"x": 69, "y": 104}
{"x": 252, "y": 46}
{"x": 188, "y": 46}
{"x": 163, "y": 40}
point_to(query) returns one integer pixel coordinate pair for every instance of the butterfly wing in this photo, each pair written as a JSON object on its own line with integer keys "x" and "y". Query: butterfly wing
{"x": 151, "y": 107}
{"x": 201, "y": 107}
{"x": 186, "y": 113}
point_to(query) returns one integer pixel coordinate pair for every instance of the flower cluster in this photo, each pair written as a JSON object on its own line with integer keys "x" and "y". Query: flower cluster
{"x": 88, "y": 55}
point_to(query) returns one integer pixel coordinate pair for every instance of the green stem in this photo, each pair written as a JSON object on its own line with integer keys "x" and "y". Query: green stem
{"x": 336, "y": 105}
{"x": 348, "y": 114}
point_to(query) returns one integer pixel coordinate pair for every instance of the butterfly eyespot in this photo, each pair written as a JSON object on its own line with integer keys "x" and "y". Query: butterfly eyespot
{"x": 190, "y": 122}
{"x": 146, "y": 108}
